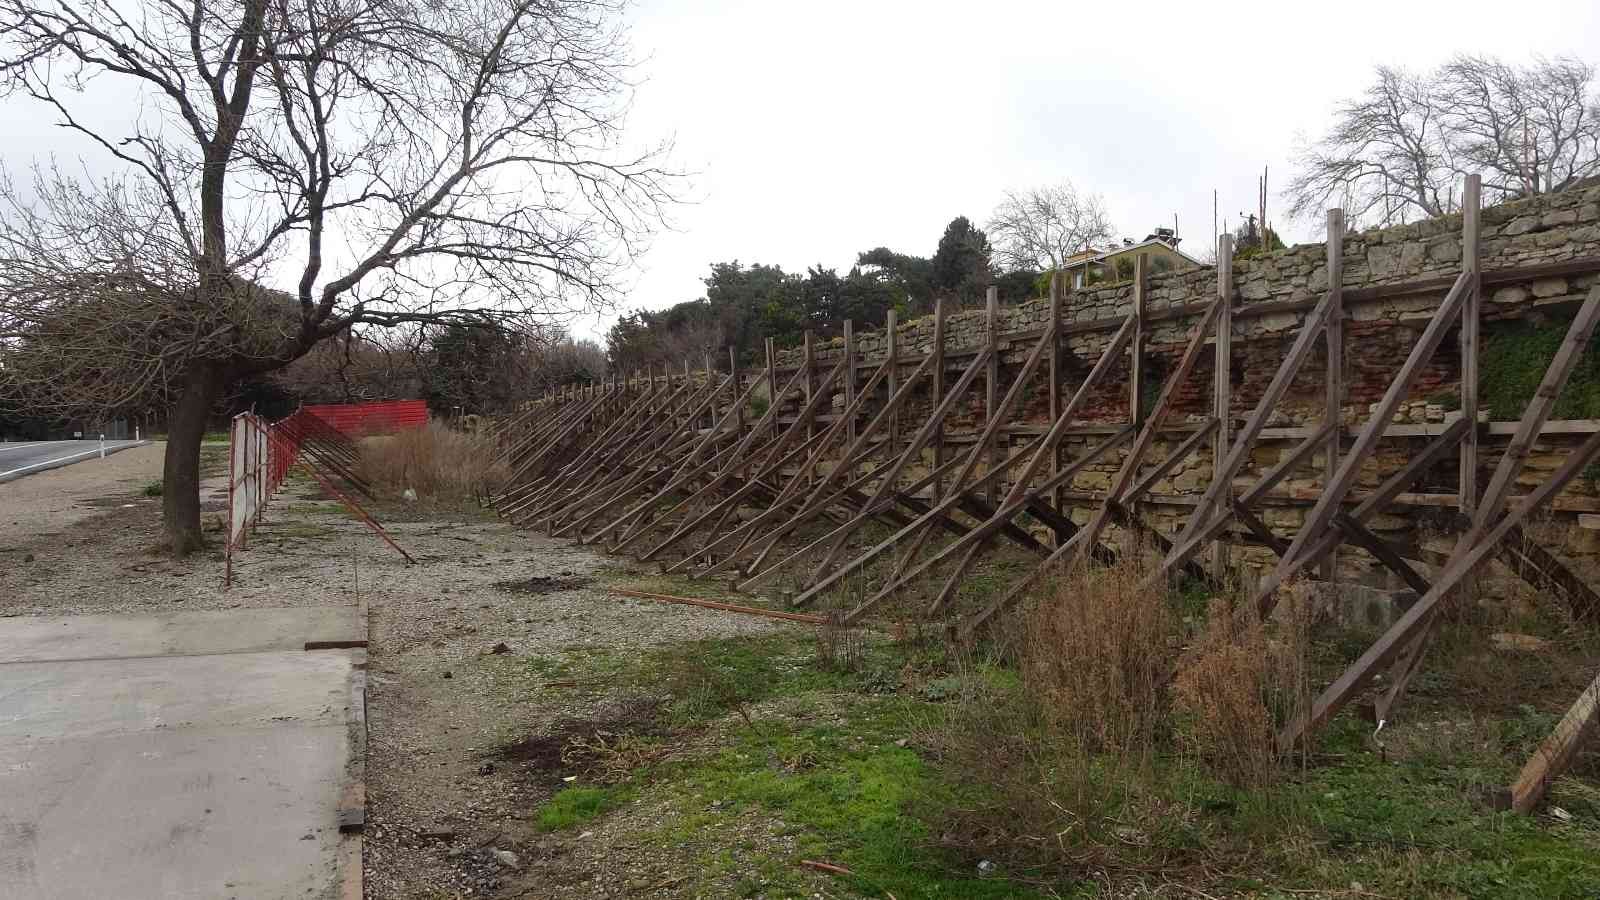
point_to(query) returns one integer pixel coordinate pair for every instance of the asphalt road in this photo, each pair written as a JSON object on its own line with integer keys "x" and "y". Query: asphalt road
{"x": 27, "y": 457}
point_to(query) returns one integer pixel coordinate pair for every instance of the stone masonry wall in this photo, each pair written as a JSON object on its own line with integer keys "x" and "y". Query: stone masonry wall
{"x": 1379, "y": 334}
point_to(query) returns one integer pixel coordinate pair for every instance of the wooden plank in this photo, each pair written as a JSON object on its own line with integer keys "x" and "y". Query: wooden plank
{"x": 1333, "y": 492}
{"x": 1380, "y": 549}
{"x": 1258, "y": 528}
{"x": 1135, "y": 456}
{"x": 1265, "y": 597}
{"x": 1333, "y": 380}
{"x": 1222, "y": 380}
{"x": 1057, "y": 280}
{"x": 1555, "y": 755}
{"x": 1542, "y": 569}
{"x": 850, "y": 376}
{"x": 1414, "y": 620}
{"x": 891, "y": 346}
{"x": 1222, "y": 478}
{"x": 992, "y": 379}
{"x": 938, "y": 390}
{"x": 1136, "y": 346}
{"x": 1471, "y": 319}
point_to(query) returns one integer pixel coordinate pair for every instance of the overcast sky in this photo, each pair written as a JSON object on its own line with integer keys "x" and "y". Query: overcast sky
{"x": 820, "y": 129}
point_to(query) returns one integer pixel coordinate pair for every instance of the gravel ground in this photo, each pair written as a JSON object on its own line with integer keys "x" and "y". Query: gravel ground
{"x": 443, "y": 699}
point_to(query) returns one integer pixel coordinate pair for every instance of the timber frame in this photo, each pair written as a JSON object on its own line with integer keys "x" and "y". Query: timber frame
{"x": 816, "y": 472}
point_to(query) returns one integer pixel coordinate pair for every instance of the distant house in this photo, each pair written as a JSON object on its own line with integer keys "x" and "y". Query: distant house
{"x": 1115, "y": 264}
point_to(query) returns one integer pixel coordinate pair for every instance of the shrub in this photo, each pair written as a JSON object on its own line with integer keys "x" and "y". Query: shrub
{"x": 1096, "y": 654}
{"x": 1243, "y": 683}
{"x": 434, "y": 461}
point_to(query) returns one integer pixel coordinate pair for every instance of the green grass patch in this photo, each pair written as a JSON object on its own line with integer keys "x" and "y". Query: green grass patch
{"x": 577, "y": 805}
{"x": 153, "y": 489}
{"x": 849, "y": 794}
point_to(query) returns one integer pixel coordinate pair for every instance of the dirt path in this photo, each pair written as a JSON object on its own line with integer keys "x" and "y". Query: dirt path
{"x": 463, "y": 647}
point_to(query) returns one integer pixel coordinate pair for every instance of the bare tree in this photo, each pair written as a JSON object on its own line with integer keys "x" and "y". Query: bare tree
{"x": 1531, "y": 129}
{"x": 1396, "y": 152}
{"x": 1041, "y": 227}
{"x": 388, "y": 163}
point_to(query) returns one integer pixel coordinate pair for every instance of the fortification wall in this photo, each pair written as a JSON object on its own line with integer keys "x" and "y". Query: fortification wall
{"x": 1540, "y": 257}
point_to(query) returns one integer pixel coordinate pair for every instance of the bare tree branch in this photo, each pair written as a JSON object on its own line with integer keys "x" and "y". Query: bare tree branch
{"x": 1395, "y": 152}
{"x": 1041, "y": 227}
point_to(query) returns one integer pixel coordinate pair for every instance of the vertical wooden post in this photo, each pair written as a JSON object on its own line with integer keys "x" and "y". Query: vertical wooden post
{"x": 772, "y": 383}
{"x": 938, "y": 392}
{"x": 1222, "y": 382}
{"x": 1136, "y": 346}
{"x": 850, "y": 377}
{"x": 1328, "y": 569}
{"x": 1470, "y": 323}
{"x": 992, "y": 382}
{"x": 810, "y": 362}
{"x": 711, "y": 411}
{"x": 1056, "y": 287}
{"x": 738, "y": 386}
{"x": 891, "y": 343}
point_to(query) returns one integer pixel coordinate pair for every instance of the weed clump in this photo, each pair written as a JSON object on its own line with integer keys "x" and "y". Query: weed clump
{"x": 1096, "y": 656}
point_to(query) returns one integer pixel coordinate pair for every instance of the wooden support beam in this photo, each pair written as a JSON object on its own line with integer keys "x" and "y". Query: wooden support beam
{"x": 992, "y": 380}
{"x": 1178, "y": 455}
{"x": 937, "y": 398}
{"x": 1380, "y": 549}
{"x": 1416, "y": 467}
{"x": 1471, "y": 322}
{"x": 850, "y": 377}
{"x": 1575, "y": 729}
{"x": 1222, "y": 478}
{"x": 1136, "y": 346}
{"x": 1130, "y": 463}
{"x": 773, "y": 401}
{"x": 1333, "y": 380}
{"x": 891, "y": 347}
{"x": 889, "y": 475}
{"x": 1544, "y": 571}
{"x": 1334, "y": 491}
{"x": 1222, "y": 380}
{"x": 1057, "y": 288}
{"x": 1414, "y": 621}
{"x": 1258, "y": 528}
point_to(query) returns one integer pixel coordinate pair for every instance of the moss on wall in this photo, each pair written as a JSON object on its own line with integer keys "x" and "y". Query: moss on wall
{"x": 1514, "y": 358}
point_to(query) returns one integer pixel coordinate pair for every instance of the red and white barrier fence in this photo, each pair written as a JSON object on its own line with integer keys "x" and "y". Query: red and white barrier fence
{"x": 260, "y": 456}
{"x": 258, "y": 461}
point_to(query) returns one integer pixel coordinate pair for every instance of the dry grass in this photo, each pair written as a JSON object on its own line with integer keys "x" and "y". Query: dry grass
{"x": 1096, "y": 656}
{"x": 1241, "y": 686}
{"x": 434, "y": 461}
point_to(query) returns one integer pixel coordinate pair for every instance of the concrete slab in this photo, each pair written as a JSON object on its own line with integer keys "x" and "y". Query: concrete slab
{"x": 188, "y": 813}
{"x": 39, "y": 638}
{"x": 223, "y": 771}
{"x": 53, "y": 701}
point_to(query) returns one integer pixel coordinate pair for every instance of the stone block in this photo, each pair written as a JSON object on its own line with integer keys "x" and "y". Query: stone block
{"x": 1521, "y": 225}
{"x": 1549, "y": 287}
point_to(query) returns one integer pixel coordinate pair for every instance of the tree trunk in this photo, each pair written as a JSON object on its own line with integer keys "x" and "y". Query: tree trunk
{"x": 186, "y": 428}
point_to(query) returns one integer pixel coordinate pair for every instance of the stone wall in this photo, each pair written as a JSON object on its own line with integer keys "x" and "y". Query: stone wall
{"x": 1394, "y": 279}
